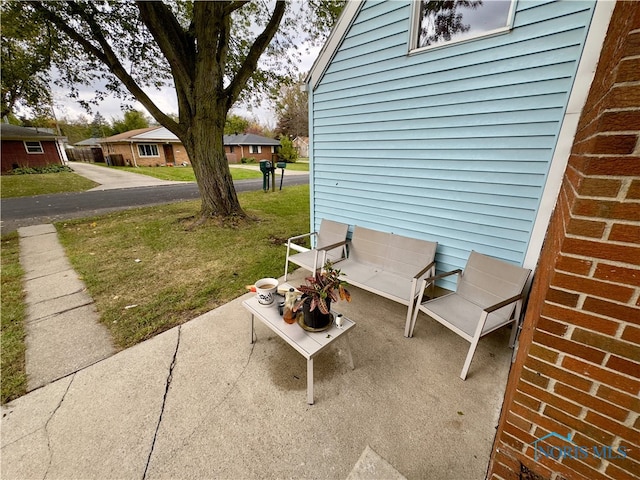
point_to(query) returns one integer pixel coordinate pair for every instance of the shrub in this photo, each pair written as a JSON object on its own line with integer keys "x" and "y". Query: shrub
{"x": 37, "y": 170}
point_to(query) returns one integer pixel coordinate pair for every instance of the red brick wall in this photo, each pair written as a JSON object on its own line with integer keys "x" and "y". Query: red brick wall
{"x": 577, "y": 371}
{"x": 13, "y": 152}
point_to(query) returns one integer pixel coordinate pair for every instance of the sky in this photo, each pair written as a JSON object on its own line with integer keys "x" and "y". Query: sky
{"x": 165, "y": 99}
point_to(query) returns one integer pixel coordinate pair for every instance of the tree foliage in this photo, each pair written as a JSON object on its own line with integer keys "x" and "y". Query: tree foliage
{"x": 25, "y": 57}
{"x": 287, "y": 151}
{"x": 441, "y": 20}
{"x": 292, "y": 110}
{"x": 213, "y": 54}
{"x": 133, "y": 120}
{"x": 235, "y": 124}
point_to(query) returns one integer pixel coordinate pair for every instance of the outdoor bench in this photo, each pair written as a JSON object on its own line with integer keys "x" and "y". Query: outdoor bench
{"x": 389, "y": 265}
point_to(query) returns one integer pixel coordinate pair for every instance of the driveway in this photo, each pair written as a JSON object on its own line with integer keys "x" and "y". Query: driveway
{"x": 110, "y": 178}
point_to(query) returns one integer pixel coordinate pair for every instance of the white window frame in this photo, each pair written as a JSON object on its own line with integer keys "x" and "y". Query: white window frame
{"x": 153, "y": 146}
{"x": 415, "y": 19}
{"x": 39, "y": 149}
{"x": 255, "y": 149}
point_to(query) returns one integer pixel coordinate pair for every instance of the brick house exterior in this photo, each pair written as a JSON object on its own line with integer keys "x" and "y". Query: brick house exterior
{"x": 28, "y": 147}
{"x": 249, "y": 145}
{"x": 146, "y": 147}
{"x": 576, "y": 376}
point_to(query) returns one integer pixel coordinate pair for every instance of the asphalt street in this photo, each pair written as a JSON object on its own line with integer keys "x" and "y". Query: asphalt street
{"x": 28, "y": 211}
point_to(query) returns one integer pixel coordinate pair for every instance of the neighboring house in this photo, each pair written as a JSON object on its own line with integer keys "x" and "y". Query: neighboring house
{"x": 524, "y": 144}
{"x": 157, "y": 146}
{"x": 30, "y": 147}
{"x": 249, "y": 145}
{"x": 153, "y": 146}
{"x": 460, "y": 142}
{"x": 301, "y": 144}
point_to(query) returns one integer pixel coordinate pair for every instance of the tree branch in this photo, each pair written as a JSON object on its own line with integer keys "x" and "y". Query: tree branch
{"x": 176, "y": 45}
{"x": 107, "y": 56}
{"x": 251, "y": 61}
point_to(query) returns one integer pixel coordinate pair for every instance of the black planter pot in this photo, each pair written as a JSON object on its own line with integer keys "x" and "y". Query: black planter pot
{"x": 316, "y": 319}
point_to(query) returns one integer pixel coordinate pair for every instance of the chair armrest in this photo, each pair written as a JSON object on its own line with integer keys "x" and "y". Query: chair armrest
{"x": 297, "y": 237}
{"x": 503, "y": 303}
{"x": 424, "y": 270}
{"x": 442, "y": 275}
{"x": 332, "y": 246}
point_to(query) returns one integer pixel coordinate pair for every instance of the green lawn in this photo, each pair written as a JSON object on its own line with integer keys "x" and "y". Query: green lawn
{"x": 13, "y": 379}
{"x": 150, "y": 258}
{"x": 43, "y": 183}
{"x": 61, "y": 182}
{"x": 238, "y": 172}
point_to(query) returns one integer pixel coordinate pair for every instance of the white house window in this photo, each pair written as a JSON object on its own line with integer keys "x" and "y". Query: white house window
{"x": 438, "y": 23}
{"x": 33, "y": 147}
{"x": 148, "y": 150}
{"x": 255, "y": 149}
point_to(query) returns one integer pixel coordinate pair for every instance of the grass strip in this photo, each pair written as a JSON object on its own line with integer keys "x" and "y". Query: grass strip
{"x": 43, "y": 183}
{"x": 13, "y": 381}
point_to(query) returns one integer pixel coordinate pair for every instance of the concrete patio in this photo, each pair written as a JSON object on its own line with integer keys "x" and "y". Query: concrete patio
{"x": 200, "y": 401}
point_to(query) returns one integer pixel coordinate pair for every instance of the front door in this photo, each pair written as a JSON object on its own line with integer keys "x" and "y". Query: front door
{"x": 168, "y": 154}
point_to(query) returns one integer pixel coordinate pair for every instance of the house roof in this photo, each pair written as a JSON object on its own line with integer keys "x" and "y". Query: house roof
{"x": 88, "y": 142}
{"x": 15, "y": 132}
{"x": 334, "y": 41}
{"x": 141, "y": 134}
{"x": 162, "y": 134}
{"x": 249, "y": 139}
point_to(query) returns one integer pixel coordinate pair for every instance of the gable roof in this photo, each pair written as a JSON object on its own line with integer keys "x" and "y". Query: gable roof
{"x": 15, "y": 132}
{"x": 334, "y": 41}
{"x": 249, "y": 139}
{"x": 88, "y": 142}
{"x": 133, "y": 135}
{"x": 162, "y": 134}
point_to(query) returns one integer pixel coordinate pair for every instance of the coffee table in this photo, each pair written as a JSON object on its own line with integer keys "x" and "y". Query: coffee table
{"x": 308, "y": 344}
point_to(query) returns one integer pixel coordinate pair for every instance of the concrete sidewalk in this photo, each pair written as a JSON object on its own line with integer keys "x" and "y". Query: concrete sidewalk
{"x": 63, "y": 330}
{"x": 201, "y": 401}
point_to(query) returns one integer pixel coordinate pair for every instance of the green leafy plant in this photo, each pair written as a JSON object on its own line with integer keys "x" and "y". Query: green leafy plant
{"x": 325, "y": 284}
{"x": 40, "y": 170}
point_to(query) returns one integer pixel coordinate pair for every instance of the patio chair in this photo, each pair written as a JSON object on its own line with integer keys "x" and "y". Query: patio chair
{"x": 330, "y": 245}
{"x": 488, "y": 296}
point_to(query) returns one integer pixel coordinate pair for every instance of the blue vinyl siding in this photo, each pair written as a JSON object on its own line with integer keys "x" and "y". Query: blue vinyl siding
{"x": 451, "y": 144}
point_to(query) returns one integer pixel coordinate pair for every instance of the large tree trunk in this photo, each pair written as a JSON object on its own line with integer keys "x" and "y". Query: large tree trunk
{"x": 208, "y": 108}
{"x": 206, "y": 152}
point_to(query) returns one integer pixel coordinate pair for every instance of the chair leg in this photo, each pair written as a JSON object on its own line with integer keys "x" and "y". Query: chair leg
{"x": 286, "y": 264}
{"x": 416, "y": 309}
{"x": 408, "y": 331}
{"x": 467, "y": 362}
{"x": 516, "y": 324}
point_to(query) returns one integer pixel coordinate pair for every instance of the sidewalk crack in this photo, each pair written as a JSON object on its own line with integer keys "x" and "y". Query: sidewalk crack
{"x": 164, "y": 402}
{"x": 46, "y": 426}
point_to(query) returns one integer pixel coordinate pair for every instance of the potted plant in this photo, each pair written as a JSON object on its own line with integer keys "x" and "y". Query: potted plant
{"x": 318, "y": 293}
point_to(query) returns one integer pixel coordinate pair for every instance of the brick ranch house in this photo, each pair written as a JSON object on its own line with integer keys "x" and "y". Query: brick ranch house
{"x": 157, "y": 146}
{"x": 249, "y": 145}
{"x": 144, "y": 147}
{"x": 30, "y": 147}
